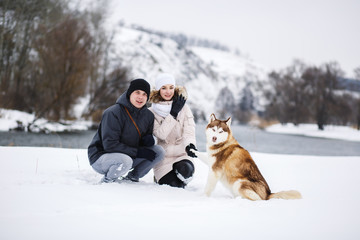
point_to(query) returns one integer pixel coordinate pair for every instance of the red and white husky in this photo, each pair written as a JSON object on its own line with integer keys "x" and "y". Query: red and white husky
{"x": 233, "y": 166}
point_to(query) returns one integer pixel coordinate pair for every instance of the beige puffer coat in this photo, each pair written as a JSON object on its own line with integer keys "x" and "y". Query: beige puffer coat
{"x": 172, "y": 134}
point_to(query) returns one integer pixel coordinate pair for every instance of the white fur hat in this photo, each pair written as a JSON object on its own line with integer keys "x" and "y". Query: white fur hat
{"x": 163, "y": 79}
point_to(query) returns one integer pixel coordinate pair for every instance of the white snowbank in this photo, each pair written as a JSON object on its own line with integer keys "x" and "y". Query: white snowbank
{"x": 52, "y": 193}
{"x": 311, "y": 130}
{"x": 10, "y": 119}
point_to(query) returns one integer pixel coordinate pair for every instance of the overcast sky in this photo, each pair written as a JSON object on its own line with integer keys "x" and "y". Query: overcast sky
{"x": 271, "y": 32}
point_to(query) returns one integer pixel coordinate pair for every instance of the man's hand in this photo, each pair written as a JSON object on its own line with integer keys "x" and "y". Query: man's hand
{"x": 147, "y": 140}
{"x": 146, "y": 153}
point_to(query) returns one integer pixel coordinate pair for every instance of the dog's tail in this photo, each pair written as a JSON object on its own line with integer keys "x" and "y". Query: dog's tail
{"x": 291, "y": 194}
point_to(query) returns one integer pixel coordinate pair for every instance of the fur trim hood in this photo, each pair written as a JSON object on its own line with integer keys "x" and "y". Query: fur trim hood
{"x": 156, "y": 98}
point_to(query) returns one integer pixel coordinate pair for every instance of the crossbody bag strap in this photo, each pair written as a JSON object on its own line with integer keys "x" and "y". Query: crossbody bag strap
{"x": 133, "y": 121}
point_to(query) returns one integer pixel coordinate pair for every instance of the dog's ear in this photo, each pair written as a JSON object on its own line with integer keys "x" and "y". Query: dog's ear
{"x": 228, "y": 121}
{"x": 212, "y": 118}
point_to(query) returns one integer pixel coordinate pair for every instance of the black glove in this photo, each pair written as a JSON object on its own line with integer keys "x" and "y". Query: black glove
{"x": 177, "y": 104}
{"x": 147, "y": 141}
{"x": 190, "y": 153}
{"x": 146, "y": 153}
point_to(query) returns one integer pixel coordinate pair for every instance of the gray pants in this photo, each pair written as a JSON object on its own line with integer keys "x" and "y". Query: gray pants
{"x": 115, "y": 165}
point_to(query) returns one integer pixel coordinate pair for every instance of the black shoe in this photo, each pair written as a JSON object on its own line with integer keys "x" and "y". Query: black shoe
{"x": 131, "y": 178}
{"x": 107, "y": 180}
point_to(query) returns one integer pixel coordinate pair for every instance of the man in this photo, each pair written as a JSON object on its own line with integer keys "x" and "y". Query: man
{"x": 124, "y": 138}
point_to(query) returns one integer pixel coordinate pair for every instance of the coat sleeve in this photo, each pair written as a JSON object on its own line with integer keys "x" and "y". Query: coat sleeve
{"x": 111, "y": 134}
{"x": 150, "y": 129}
{"x": 163, "y": 127}
{"x": 189, "y": 127}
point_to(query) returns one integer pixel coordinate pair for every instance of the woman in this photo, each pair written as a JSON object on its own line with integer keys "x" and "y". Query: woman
{"x": 174, "y": 128}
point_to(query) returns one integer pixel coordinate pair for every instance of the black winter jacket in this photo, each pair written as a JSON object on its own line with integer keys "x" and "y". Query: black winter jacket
{"x": 117, "y": 133}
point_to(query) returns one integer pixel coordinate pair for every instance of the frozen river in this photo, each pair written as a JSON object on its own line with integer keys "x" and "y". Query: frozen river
{"x": 252, "y": 139}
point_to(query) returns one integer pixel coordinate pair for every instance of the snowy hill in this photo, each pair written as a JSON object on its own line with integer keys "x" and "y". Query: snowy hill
{"x": 203, "y": 71}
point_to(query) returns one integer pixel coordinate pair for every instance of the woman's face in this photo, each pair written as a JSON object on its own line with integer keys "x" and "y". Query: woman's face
{"x": 138, "y": 98}
{"x": 167, "y": 92}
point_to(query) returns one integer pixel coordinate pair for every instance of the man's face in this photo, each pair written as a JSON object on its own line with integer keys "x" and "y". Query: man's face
{"x": 138, "y": 98}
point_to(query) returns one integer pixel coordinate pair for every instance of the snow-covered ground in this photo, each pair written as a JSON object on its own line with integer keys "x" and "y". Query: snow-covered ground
{"x": 52, "y": 193}
{"x": 311, "y": 130}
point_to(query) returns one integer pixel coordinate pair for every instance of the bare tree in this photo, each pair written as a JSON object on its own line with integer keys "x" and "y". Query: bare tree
{"x": 303, "y": 93}
{"x": 50, "y": 56}
{"x": 105, "y": 82}
{"x": 19, "y": 20}
{"x": 357, "y": 103}
{"x": 288, "y": 101}
{"x": 106, "y": 94}
{"x": 63, "y": 60}
{"x": 323, "y": 81}
{"x": 342, "y": 113}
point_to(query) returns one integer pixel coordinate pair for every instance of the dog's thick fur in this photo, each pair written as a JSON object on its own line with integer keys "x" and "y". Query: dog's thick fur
{"x": 233, "y": 166}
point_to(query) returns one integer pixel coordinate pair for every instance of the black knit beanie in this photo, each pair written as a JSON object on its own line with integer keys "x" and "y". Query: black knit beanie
{"x": 138, "y": 84}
